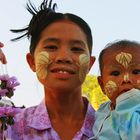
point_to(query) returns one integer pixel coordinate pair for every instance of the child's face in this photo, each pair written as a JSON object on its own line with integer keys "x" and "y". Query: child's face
{"x": 62, "y": 57}
{"x": 121, "y": 71}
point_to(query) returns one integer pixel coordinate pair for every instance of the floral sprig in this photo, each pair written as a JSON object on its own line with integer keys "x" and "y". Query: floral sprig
{"x": 7, "y": 85}
{"x": 7, "y": 112}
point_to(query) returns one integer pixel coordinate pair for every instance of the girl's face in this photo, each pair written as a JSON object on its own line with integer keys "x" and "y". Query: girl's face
{"x": 121, "y": 71}
{"x": 61, "y": 59}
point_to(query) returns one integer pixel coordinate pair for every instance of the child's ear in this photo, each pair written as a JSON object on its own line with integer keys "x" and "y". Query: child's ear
{"x": 31, "y": 61}
{"x": 99, "y": 78}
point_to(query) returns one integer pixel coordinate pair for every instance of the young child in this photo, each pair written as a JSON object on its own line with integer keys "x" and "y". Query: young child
{"x": 60, "y": 54}
{"x": 119, "y": 119}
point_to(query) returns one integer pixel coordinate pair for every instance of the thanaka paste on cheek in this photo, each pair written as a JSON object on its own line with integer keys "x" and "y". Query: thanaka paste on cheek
{"x": 84, "y": 64}
{"x": 110, "y": 88}
{"x": 42, "y": 61}
{"x": 124, "y": 58}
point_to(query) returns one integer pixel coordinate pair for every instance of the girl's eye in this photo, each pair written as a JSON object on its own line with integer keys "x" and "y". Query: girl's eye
{"x": 50, "y": 47}
{"x": 136, "y": 71}
{"x": 77, "y": 49}
{"x": 115, "y": 73}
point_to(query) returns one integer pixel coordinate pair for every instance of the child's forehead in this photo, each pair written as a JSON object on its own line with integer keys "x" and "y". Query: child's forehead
{"x": 129, "y": 49}
{"x": 129, "y": 54}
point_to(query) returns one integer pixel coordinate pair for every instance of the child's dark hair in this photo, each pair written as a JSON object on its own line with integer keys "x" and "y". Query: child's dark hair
{"x": 119, "y": 44}
{"x": 46, "y": 15}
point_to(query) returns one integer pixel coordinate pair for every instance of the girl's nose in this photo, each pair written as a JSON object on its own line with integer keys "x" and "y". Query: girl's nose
{"x": 64, "y": 56}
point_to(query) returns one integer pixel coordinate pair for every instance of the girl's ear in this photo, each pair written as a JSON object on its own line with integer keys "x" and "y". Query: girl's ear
{"x": 99, "y": 78}
{"x": 31, "y": 61}
{"x": 92, "y": 60}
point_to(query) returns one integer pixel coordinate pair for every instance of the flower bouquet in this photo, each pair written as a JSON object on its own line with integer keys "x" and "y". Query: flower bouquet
{"x": 7, "y": 107}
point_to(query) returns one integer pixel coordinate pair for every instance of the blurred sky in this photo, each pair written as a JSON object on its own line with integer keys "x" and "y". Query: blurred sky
{"x": 109, "y": 20}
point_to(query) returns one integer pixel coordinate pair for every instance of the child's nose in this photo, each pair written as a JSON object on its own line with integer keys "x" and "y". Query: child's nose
{"x": 126, "y": 78}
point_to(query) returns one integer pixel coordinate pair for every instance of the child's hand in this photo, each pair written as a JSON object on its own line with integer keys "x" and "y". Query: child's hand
{"x": 2, "y": 55}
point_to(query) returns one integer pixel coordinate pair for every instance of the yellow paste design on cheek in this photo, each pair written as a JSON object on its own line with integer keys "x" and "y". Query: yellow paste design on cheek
{"x": 110, "y": 87}
{"x": 84, "y": 61}
{"x": 124, "y": 58}
{"x": 42, "y": 61}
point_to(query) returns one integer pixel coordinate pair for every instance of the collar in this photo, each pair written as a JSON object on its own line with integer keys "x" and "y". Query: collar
{"x": 40, "y": 118}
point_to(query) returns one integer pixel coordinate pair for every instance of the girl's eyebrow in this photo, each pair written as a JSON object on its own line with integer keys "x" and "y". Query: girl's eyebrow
{"x": 51, "y": 40}
{"x": 72, "y": 41}
{"x": 78, "y": 42}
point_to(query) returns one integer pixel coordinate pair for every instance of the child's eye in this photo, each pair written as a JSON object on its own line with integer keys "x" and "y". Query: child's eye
{"x": 50, "y": 47}
{"x": 115, "y": 73}
{"x": 136, "y": 71}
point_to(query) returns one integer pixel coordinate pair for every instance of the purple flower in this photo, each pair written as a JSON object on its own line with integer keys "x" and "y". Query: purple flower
{"x": 4, "y": 77}
{"x": 7, "y": 85}
{"x": 7, "y": 114}
{"x": 3, "y": 92}
{"x": 12, "y": 82}
{"x": 9, "y": 111}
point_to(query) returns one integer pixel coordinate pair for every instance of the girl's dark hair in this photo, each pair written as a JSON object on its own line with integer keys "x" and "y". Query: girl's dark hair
{"x": 116, "y": 45}
{"x": 44, "y": 16}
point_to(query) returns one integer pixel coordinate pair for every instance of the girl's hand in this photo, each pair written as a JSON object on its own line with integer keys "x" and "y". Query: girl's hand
{"x": 2, "y": 55}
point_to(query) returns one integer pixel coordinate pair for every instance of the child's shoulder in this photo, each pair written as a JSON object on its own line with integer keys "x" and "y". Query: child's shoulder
{"x": 103, "y": 111}
{"x": 104, "y": 105}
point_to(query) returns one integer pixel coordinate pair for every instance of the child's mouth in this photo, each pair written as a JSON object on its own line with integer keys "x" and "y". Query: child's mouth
{"x": 125, "y": 90}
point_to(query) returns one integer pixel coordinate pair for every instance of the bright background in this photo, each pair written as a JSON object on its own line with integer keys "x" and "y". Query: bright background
{"x": 109, "y": 20}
